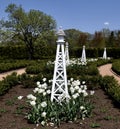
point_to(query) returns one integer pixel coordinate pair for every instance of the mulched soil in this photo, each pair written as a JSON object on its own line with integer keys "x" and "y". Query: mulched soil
{"x": 105, "y": 115}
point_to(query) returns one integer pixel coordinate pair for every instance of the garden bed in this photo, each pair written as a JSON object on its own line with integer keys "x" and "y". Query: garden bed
{"x": 105, "y": 114}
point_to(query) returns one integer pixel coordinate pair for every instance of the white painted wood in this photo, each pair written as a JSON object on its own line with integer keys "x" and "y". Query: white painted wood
{"x": 67, "y": 54}
{"x": 104, "y": 54}
{"x": 83, "y": 58}
{"x": 59, "y": 85}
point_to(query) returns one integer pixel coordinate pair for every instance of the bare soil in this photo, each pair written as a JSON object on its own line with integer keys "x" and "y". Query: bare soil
{"x": 105, "y": 114}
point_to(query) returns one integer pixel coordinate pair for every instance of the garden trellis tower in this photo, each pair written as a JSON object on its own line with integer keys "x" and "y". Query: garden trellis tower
{"x": 104, "y": 54}
{"x": 59, "y": 85}
{"x": 66, "y": 54}
{"x": 83, "y": 58}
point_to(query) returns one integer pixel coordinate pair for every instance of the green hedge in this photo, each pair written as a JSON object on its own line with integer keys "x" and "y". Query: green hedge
{"x": 6, "y": 65}
{"x": 116, "y": 67}
{"x": 111, "y": 86}
{"x": 48, "y": 52}
{"x": 8, "y": 82}
{"x": 20, "y": 52}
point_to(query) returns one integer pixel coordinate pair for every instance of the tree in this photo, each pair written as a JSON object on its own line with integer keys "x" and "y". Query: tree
{"x": 111, "y": 40}
{"x": 118, "y": 38}
{"x": 28, "y": 26}
{"x": 98, "y": 40}
{"x": 73, "y": 36}
{"x": 82, "y": 40}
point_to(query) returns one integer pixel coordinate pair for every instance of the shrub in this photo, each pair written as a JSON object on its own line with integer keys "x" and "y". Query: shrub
{"x": 111, "y": 86}
{"x": 8, "y": 82}
{"x": 116, "y": 67}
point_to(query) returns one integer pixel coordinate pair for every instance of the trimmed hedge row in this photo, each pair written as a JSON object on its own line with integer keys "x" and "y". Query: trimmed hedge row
{"x": 111, "y": 86}
{"x": 45, "y": 52}
{"x": 116, "y": 67}
{"x": 6, "y": 65}
{"x": 20, "y": 52}
{"x": 95, "y": 52}
{"x": 8, "y": 83}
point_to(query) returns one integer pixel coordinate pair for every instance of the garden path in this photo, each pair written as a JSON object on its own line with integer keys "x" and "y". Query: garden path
{"x": 18, "y": 71}
{"x": 106, "y": 70}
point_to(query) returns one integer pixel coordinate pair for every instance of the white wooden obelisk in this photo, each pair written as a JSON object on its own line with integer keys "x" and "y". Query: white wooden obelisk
{"x": 104, "y": 54}
{"x": 66, "y": 54}
{"x": 59, "y": 86}
{"x": 83, "y": 58}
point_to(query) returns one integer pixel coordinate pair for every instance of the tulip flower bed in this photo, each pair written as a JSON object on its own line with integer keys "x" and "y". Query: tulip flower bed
{"x": 104, "y": 115}
{"x": 77, "y": 106}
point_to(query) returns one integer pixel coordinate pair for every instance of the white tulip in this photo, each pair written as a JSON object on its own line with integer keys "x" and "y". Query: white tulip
{"x": 92, "y": 92}
{"x": 32, "y": 97}
{"x": 75, "y": 95}
{"x": 76, "y": 87}
{"x": 35, "y": 90}
{"x": 43, "y": 114}
{"x": 82, "y": 107}
{"x": 43, "y": 123}
{"x": 51, "y": 124}
{"x": 72, "y": 90}
{"x": 41, "y": 90}
{"x": 38, "y": 83}
{"x": 79, "y": 90}
{"x": 29, "y": 96}
{"x": 33, "y": 103}
{"x": 83, "y": 82}
{"x": 48, "y": 91}
{"x": 44, "y": 93}
{"x": 71, "y": 79}
{"x": 50, "y": 81}
{"x": 20, "y": 97}
{"x": 85, "y": 94}
{"x": 43, "y": 104}
{"x": 39, "y": 86}
{"x": 44, "y": 79}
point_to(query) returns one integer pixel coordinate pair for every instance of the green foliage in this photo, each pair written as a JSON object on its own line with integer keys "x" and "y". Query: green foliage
{"x": 10, "y": 102}
{"x": 95, "y": 125}
{"x": 45, "y": 111}
{"x": 45, "y": 51}
{"x": 111, "y": 86}
{"x": 2, "y": 110}
{"x": 79, "y": 70}
{"x": 6, "y": 65}
{"x": 116, "y": 67}
{"x": 8, "y": 82}
{"x": 28, "y": 26}
{"x": 102, "y": 62}
{"x": 40, "y": 70}
{"x": 26, "y": 80}
{"x": 98, "y": 40}
{"x": 108, "y": 117}
{"x": 20, "y": 52}
{"x": 35, "y": 68}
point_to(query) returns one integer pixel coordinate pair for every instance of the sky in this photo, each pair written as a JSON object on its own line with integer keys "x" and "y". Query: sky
{"x": 84, "y": 15}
